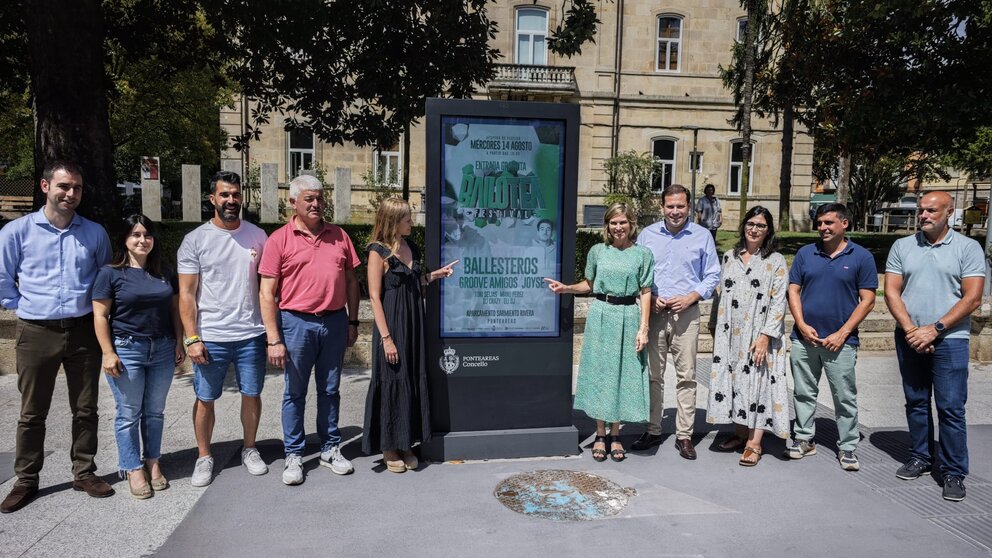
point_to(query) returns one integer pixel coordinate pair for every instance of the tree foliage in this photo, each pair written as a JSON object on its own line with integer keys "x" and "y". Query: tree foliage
{"x": 786, "y": 33}
{"x": 354, "y": 71}
{"x": 973, "y": 155}
{"x": 894, "y": 78}
{"x": 629, "y": 177}
{"x": 875, "y": 181}
{"x": 575, "y": 29}
{"x": 350, "y": 71}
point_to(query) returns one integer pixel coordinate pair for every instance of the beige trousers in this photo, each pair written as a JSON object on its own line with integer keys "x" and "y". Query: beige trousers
{"x": 677, "y": 333}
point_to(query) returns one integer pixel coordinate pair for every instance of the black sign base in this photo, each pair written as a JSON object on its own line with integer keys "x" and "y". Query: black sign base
{"x": 502, "y": 444}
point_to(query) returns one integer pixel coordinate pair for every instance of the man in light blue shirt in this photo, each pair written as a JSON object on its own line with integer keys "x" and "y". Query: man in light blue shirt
{"x": 933, "y": 282}
{"x": 48, "y": 262}
{"x": 686, "y": 270}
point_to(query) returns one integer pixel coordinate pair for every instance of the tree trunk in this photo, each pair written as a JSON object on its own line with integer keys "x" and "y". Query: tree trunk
{"x": 785, "y": 174}
{"x": 844, "y": 181}
{"x": 750, "y": 40}
{"x": 405, "y": 155}
{"x": 65, "y": 41}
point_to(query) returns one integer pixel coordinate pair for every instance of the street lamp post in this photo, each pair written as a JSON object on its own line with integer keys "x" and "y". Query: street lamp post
{"x": 694, "y": 160}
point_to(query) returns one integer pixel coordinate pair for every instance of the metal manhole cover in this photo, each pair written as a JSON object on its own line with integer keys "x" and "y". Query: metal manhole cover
{"x": 561, "y": 495}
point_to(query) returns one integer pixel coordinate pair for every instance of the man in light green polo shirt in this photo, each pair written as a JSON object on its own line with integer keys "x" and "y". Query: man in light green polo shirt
{"x": 933, "y": 282}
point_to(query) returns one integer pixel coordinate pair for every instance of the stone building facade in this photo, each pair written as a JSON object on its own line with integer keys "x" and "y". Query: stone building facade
{"x": 649, "y": 83}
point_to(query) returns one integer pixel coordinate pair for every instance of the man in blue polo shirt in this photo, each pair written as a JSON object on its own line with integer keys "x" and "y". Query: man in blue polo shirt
{"x": 831, "y": 290}
{"x": 933, "y": 282}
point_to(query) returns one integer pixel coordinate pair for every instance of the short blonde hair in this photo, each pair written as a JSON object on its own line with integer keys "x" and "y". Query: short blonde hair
{"x": 613, "y": 211}
{"x": 387, "y": 219}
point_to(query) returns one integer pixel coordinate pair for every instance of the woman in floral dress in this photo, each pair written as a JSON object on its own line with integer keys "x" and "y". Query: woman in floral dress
{"x": 747, "y": 381}
{"x": 612, "y": 386}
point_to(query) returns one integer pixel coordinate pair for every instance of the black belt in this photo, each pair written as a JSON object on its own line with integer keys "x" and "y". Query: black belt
{"x": 64, "y": 323}
{"x": 621, "y": 300}
{"x": 320, "y": 314}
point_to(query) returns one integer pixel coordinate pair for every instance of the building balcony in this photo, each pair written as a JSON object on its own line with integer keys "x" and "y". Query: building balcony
{"x": 528, "y": 82}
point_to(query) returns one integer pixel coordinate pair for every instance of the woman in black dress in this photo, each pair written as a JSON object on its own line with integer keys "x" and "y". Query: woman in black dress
{"x": 397, "y": 409}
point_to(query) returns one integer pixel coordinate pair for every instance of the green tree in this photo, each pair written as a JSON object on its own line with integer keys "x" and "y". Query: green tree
{"x": 16, "y": 135}
{"x": 973, "y": 155}
{"x": 786, "y": 38}
{"x": 351, "y": 71}
{"x": 629, "y": 177}
{"x": 743, "y": 79}
{"x": 875, "y": 181}
{"x": 893, "y": 79}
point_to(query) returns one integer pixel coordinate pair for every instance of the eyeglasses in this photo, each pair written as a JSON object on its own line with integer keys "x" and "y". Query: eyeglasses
{"x": 756, "y": 226}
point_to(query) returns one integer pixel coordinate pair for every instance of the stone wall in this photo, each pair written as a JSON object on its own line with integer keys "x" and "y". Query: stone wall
{"x": 876, "y": 334}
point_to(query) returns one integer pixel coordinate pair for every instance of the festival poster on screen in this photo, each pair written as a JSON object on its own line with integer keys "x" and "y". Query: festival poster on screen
{"x": 501, "y": 216}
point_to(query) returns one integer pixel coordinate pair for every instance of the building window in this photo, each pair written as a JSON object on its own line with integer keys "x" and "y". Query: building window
{"x": 737, "y": 166}
{"x": 387, "y": 166}
{"x": 669, "y": 44}
{"x": 301, "y": 142}
{"x": 532, "y": 33}
{"x": 664, "y": 151}
{"x": 741, "y": 29}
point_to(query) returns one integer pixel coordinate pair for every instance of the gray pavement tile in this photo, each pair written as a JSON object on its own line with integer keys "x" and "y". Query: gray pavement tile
{"x": 923, "y": 497}
{"x": 707, "y": 507}
{"x": 975, "y": 529}
{"x": 6, "y": 465}
{"x": 702, "y": 508}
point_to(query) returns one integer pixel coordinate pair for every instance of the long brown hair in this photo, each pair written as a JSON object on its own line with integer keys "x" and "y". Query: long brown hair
{"x": 153, "y": 264}
{"x": 387, "y": 220}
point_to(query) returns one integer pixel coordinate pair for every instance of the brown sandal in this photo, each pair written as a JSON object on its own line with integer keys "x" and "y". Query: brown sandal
{"x": 746, "y": 457}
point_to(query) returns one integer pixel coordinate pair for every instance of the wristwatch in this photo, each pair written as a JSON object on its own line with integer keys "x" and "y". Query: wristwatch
{"x": 191, "y": 340}
{"x": 939, "y": 326}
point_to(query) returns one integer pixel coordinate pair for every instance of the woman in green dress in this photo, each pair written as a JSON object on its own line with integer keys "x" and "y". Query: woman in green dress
{"x": 613, "y": 381}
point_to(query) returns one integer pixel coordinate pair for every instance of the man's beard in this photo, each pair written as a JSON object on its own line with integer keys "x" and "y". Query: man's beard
{"x": 228, "y": 214}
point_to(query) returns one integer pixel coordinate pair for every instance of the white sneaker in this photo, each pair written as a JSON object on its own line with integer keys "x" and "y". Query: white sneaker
{"x": 293, "y": 473}
{"x": 332, "y": 458}
{"x": 203, "y": 472}
{"x": 253, "y": 462}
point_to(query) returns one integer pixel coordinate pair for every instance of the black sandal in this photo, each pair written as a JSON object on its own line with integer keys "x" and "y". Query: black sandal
{"x": 617, "y": 455}
{"x": 600, "y": 454}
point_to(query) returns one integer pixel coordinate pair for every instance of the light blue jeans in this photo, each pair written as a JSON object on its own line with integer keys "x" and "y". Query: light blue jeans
{"x": 140, "y": 392}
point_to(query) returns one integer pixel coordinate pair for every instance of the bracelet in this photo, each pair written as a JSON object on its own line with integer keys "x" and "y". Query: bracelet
{"x": 912, "y": 329}
{"x": 383, "y": 338}
{"x": 353, "y": 323}
{"x": 192, "y": 339}
{"x": 274, "y": 343}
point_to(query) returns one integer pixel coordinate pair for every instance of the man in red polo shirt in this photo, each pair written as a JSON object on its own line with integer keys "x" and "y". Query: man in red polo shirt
{"x": 309, "y": 265}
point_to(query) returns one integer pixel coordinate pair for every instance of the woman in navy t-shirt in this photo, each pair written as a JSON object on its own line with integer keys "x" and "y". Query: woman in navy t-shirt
{"x": 135, "y": 309}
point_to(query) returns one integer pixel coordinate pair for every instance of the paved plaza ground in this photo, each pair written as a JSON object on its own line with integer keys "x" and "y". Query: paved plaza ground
{"x": 709, "y": 507}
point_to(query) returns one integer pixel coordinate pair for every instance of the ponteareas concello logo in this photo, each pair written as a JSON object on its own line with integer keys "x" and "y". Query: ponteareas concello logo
{"x": 449, "y": 362}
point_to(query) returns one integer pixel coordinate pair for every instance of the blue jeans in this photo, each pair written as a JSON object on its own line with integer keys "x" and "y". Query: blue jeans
{"x": 248, "y": 357}
{"x": 945, "y": 372}
{"x": 140, "y": 392}
{"x": 318, "y": 343}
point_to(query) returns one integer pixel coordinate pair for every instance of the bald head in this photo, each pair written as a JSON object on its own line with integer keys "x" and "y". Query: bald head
{"x": 941, "y": 198}
{"x": 935, "y": 212}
